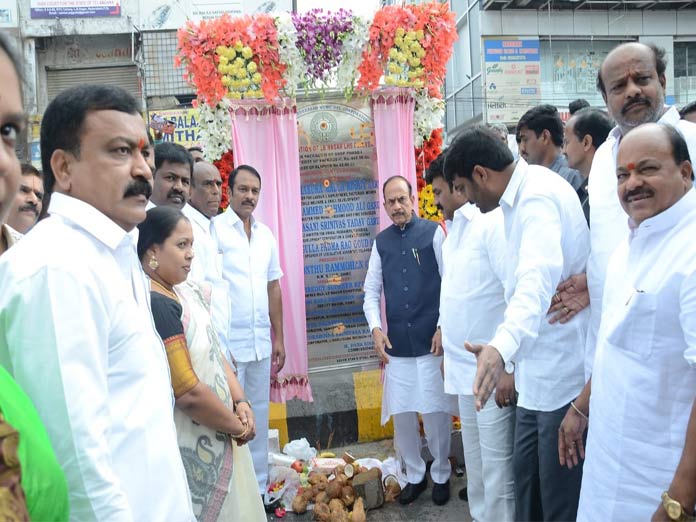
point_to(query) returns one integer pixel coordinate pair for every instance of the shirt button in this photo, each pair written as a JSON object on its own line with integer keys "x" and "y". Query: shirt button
{"x": 405, "y": 288}
{"x": 403, "y": 235}
{"x": 406, "y": 305}
{"x": 403, "y": 270}
{"x": 408, "y": 324}
{"x": 403, "y": 252}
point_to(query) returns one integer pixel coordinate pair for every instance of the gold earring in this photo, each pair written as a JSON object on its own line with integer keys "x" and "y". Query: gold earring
{"x": 153, "y": 264}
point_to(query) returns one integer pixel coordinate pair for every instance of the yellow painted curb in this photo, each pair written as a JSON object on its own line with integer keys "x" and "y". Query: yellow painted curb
{"x": 368, "y": 403}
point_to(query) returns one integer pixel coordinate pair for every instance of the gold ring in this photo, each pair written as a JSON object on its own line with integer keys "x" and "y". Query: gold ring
{"x": 566, "y": 310}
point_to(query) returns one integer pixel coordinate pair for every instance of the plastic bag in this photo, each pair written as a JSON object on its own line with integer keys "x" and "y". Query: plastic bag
{"x": 286, "y": 482}
{"x": 391, "y": 466}
{"x": 300, "y": 449}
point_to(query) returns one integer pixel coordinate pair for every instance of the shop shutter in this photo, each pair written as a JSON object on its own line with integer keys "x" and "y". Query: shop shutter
{"x": 124, "y": 76}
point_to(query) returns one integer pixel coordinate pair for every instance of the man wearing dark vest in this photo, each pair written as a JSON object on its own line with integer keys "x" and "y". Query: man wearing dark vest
{"x": 405, "y": 263}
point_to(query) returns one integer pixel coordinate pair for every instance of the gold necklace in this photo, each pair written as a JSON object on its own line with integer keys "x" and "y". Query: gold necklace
{"x": 166, "y": 291}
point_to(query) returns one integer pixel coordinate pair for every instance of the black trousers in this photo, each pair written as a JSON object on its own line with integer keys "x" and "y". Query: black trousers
{"x": 543, "y": 489}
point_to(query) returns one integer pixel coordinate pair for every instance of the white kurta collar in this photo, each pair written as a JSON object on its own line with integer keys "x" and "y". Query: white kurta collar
{"x": 667, "y": 218}
{"x": 513, "y": 185}
{"x": 90, "y": 219}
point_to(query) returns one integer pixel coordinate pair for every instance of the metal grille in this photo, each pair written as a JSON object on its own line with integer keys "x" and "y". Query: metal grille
{"x": 124, "y": 76}
{"x": 161, "y": 77}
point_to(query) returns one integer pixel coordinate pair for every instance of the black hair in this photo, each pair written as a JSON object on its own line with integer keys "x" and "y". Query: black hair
{"x": 63, "y": 122}
{"x": 195, "y": 148}
{"x": 233, "y": 175}
{"x": 660, "y": 62}
{"x": 8, "y": 49}
{"x": 434, "y": 170}
{"x": 392, "y": 178}
{"x": 172, "y": 153}
{"x": 687, "y": 109}
{"x": 576, "y": 105}
{"x": 543, "y": 117}
{"x": 593, "y": 122}
{"x": 30, "y": 170}
{"x": 477, "y": 145}
{"x": 159, "y": 224}
{"x": 680, "y": 150}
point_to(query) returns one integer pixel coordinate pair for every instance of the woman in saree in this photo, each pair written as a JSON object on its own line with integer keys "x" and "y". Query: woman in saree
{"x": 213, "y": 419}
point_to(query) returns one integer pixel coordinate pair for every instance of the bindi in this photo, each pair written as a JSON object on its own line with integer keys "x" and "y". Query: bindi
{"x": 141, "y": 144}
{"x": 631, "y": 166}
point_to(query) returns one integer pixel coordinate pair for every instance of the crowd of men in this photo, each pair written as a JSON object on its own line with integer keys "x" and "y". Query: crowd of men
{"x": 554, "y": 310}
{"x": 561, "y": 292}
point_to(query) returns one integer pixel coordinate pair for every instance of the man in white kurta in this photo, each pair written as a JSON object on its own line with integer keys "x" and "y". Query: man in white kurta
{"x": 472, "y": 304}
{"x": 546, "y": 241}
{"x": 624, "y": 66}
{"x": 77, "y": 332}
{"x": 644, "y": 381}
{"x": 251, "y": 269}
{"x": 405, "y": 263}
{"x": 206, "y": 194}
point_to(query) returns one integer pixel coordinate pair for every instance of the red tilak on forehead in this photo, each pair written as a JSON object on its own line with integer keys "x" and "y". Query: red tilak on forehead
{"x": 141, "y": 144}
{"x": 631, "y": 166}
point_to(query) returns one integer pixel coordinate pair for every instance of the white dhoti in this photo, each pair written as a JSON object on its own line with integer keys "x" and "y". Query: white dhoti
{"x": 414, "y": 385}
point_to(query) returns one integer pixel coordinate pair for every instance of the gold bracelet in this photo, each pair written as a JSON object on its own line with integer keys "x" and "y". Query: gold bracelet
{"x": 572, "y": 403}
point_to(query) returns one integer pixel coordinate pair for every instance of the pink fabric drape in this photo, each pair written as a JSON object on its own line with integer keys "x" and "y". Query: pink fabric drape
{"x": 392, "y": 109}
{"x": 265, "y": 137}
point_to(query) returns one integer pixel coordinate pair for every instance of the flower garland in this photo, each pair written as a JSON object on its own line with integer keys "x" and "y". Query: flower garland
{"x": 424, "y": 157}
{"x": 215, "y": 128}
{"x": 354, "y": 44}
{"x": 320, "y": 36}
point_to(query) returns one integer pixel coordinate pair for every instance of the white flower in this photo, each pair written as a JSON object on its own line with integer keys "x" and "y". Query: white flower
{"x": 351, "y": 55}
{"x": 296, "y": 72}
{"x": 215, "y": 129}
{"x": 427, "y": 116}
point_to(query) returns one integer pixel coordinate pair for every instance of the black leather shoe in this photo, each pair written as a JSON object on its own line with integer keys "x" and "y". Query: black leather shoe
{"x": 463, "y": 495}
{"x": 441, "y": 493}
{"x": 412, "y": 491}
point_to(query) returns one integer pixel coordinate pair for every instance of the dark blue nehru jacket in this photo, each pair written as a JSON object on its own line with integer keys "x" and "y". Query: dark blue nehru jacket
{"x": 411, "y": 283}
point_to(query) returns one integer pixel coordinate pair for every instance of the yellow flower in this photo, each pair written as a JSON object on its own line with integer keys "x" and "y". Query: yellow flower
{"x": 419, "y": 34}
{"x": 393, "y": 53}
{"x": 247, "y": 52}
{"x": 226, "y": 80}
{"x": 220, "y": 49}
{"x": 421, "y": 53}
{"x": 238, "y": 46}
{"x": 239, "y": 61}
{"x": 400, "y": 32}
{"x": 256, "y": 78}
{"x": 415, "y": 47}
{"x": 245, "y": 82}
{"x": 394, "y": 68}
{"x": 231, "y": 54}
{"x": 389, "y": 80}
{"x": 241, "y": 73}
{"x": 427, "y": 191}
{"x": 223, "y": 61}
{"x": 398, "y": 41}
{"x": 410, "y": 36}
{"x": 401, "y": 58}
{"x": 234, "y": 95}
{"x": 414, "y": 62}
{"x": 252, "y": 67}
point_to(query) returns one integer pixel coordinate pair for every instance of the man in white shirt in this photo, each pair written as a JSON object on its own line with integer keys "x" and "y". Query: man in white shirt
{"x": 252, "y": 271}
{"x": 546, "y": 240}
{"x": 78, "y": 334}
{"x": 642, "y": 394}
{"x": 203, "y": 206}
{"x": 446, "y": 199}
{"x": 632, "y": 81}
{"x": 405, "y": 264}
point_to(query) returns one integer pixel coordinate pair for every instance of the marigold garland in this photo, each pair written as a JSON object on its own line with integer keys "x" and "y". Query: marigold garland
{"x": 425, "y": 155}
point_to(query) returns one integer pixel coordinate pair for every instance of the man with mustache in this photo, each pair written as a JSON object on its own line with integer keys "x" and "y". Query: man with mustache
{"x": 28, "y": 201}
{"x": 251, "y": 269}
{"x": 406, "y": 263}
{"x": 641, "y": 446}
{"x": 632, "y": 82}
{"x": 77, "y": 331}
{"x": 172, "y": 177}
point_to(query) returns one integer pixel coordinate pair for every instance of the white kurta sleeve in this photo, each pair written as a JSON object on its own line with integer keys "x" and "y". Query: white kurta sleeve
{"x": 687, "y": 317}
{"x": 274, "y": 270}
{"x": 438, "y": 240}
{"x": 538, "y": 271}
{"x": 58, "y": 340}
{"x": 373, "y": 290}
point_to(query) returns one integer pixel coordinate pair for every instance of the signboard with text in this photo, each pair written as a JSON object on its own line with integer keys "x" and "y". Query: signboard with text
{"x": 340, "y": 209}
{"x": 181, "y": 125}
{"x": 513, "y": 78}
{"x": 74, "y": 8}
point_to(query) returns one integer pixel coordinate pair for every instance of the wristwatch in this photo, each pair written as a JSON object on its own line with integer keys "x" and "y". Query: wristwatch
{"x": 675, "y": 511}
{"x": 243, "y": 400}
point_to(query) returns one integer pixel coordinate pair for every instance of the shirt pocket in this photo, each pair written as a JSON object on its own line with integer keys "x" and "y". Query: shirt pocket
{"x": 635, "y": 329}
